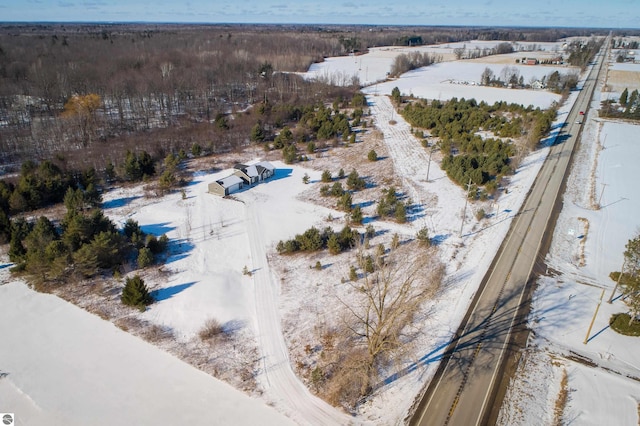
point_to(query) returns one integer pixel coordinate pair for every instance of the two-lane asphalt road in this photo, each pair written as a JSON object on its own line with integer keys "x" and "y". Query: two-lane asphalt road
{"x": 465, "y": 389}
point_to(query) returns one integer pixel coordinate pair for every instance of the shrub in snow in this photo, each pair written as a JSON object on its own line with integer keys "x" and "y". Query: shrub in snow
{"x": 135, "y": 293}
{"x": 211, "y": 328}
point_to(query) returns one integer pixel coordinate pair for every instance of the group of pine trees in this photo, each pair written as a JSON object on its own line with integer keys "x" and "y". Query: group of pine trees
{"x": 84, "y": 244}
{"x": 314, "y": 240}
{"x": 466, "y": 155}
{"x": 305, "y": 124}
{"x": 628, "y": 106}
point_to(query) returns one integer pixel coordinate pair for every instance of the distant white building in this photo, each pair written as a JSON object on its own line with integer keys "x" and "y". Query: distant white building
{"x": 537, "y": 85}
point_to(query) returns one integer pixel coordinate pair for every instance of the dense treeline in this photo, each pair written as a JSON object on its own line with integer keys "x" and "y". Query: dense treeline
{"x": 582, "y": 53}
{"x": 163, "y": 88}
{"x": 85, "y": 243}
{"x": 467, "y": 155}
{"x": 411, "y": 61}
{"x": 500, "y": 49}
{"x": 456, "y": 120}
{"x": 510, "y": 77}
{"x": 94, "y": 92}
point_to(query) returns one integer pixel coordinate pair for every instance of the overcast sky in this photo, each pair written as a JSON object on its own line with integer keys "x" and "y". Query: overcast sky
{"x": 539, "y": 13}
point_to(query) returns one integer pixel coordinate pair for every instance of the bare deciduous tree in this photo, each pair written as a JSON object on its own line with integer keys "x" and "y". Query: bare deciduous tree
{"x": 390, "y": 298}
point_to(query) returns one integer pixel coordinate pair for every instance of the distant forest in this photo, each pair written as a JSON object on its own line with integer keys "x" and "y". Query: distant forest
{"x": 90, "y": 93}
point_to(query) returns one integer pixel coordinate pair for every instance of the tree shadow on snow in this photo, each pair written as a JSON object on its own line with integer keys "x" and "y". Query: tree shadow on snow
{"x": 118, "y": 202}
{"x": 490, "y": 324}
{"x": 157, "y": 229}
{"x": 169, "y": 292}
{"x": 233, "y": 326}
{"x": 439, "y": 239}
{"x": 178, "y": 249}
{"x": 415, "y": 212}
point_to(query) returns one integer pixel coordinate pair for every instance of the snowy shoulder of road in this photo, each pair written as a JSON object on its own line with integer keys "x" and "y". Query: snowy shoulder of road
{"x": 599, "y": 216}
{"x": 62, "y": 365}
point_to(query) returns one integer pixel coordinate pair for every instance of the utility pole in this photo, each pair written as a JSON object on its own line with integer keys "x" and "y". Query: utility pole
{"x": 586, "y": 339}
{"x": 601, "y": 194}
{"x": 464, "y": 211}
{"x": 624, "y": 263}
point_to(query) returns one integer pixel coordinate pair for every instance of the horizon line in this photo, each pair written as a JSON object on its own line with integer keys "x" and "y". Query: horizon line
{"x": 515, "y": 26}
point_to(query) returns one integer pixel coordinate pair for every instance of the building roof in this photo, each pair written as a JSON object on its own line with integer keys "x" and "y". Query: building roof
{"x": 229, "y": 181}
{"x": 267, "y": 165}
{"x": 251, "y": 171}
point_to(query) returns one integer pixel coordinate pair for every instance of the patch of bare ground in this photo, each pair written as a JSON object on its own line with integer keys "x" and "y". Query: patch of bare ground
{"x": 227, "y": 351}
{"x": 618, "y": 80}
{"x": 583, "y": 241}
{"x": 561, "y": 401}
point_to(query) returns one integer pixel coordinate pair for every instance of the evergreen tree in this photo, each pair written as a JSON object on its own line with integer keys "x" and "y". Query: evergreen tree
{"x": 257, "y": 133}
{"x": 110, "y": 171}
{"x": 354, "y": 181}
{"x": 289, "y": 154}
{"x": 356, "y": 215}
{"x": 135, "y": 293}
{"x": 92, "y": 196}
{"x": 401, "y": 213}
{"x": 333, "y": 244}
{"x": 196, "y": 150}
{"x": 145, "y": 257}
{"x": 132, "y": 169}
{"x": 353, "y": 275}
{"x": 5, "y": 227}
{"x": 337, "y": 190}
{"x": 20, "y": 228}
{"x": 396, "y": 96}
{"x": 630, "y": 280}
{"x": 623, "y": 97}
{"x": 345, "y": 201}
{"x": 423, "y": 237}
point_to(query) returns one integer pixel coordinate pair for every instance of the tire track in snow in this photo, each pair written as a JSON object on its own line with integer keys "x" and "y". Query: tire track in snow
{"x": 280, "y": 382}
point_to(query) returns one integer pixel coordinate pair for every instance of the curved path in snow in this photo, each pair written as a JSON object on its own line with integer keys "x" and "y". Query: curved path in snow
{"x": 280, "y": 382}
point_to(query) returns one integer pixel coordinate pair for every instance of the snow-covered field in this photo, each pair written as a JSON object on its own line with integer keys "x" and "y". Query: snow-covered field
{"x": 60, "y": 365}
{"x": 448, "y": 79}
{"x": 214, "y": 239}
